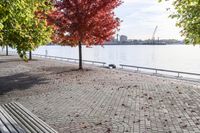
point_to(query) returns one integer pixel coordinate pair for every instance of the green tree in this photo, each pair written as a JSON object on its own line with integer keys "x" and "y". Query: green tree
{"x": 22, "y": 28}
{"x": 2, "y": 19}
{"x": 1, "y": 27}
{"x": 187, "y": 13}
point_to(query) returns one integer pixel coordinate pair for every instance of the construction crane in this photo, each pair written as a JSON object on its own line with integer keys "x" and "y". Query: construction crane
{"x": 154, "y": 33}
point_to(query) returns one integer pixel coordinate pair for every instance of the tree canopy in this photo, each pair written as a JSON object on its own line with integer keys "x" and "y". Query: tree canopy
{"x": 20, "y": 27}
{"x": 2, "y": 19}
{"x": 187, "y": 13}
{"x": 87, "y": 22}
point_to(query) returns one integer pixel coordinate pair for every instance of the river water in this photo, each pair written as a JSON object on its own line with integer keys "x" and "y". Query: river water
{"x": 172, "y": 57}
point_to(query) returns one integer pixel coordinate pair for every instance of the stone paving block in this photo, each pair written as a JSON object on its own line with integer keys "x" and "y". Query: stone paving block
{"x": 99, "y": 100}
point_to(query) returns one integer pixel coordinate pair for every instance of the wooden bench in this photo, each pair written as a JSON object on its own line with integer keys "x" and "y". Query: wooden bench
{"x": 14, "y": 118}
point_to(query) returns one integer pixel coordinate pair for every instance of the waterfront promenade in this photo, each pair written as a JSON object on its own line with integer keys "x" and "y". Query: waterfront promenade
{"x": 100, "y": 100}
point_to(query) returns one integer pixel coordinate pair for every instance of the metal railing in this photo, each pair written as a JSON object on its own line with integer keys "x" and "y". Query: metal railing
{"x": 160, "y": 70}
{"x": 66, "y": 59}
{"x": 70, "y": 59}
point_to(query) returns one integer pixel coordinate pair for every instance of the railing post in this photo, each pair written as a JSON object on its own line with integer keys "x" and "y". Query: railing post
{"x": 30, "y": 55}
{"x": 46, "y": 53}
{"x": 156, "y": 71}
{"x": 178, "y": 74}
{"x": 6, "y": 50}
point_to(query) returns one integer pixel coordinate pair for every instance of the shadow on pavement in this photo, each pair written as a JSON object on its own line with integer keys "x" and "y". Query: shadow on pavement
{"x": 67, "y": 69}
{"x": 20, "y": 81}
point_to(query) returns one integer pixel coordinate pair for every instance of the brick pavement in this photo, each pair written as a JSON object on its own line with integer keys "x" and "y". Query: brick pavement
{"x": 99, "y": 100}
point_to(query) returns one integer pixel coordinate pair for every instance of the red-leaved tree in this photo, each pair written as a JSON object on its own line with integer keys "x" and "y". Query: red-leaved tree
{"x": 83, "y": 22}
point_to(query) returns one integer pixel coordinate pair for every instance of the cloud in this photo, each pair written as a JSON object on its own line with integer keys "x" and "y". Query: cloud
{"x": 141, "y": 16}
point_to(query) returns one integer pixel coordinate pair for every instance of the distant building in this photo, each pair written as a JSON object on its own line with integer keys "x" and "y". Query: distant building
{"x": 111, "y": 41}
{"x": 123, "y": 38}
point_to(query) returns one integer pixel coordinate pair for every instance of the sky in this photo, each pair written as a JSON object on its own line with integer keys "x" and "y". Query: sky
{"x": 140, "y": 17}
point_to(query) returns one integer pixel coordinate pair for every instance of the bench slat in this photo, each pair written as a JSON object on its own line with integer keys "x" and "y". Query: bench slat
{"x": 12, "y": 121}
{"x": 26, "y": 116}
{"x": 27, "y": 120}
{"x": 7, "y": 123}
{"x": 15, "y": 118}
{"x": 50, "y": 129}
{"x": 20, "y": 121}
{"x": 23, "y": 117}
{"x": 3, "y": 128}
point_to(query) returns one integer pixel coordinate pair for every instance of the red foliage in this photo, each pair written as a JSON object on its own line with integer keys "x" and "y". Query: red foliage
{"x": 90, "y": 22}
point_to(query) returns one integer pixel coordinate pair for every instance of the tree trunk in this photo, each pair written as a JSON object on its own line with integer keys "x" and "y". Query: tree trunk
{"x": 30, "y": 55}
{"x": 80, "y": 56}
{"x": 6, "y": 50}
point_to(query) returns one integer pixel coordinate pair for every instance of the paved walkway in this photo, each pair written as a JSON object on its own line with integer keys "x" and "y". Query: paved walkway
{"x": 99, "y": 100}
